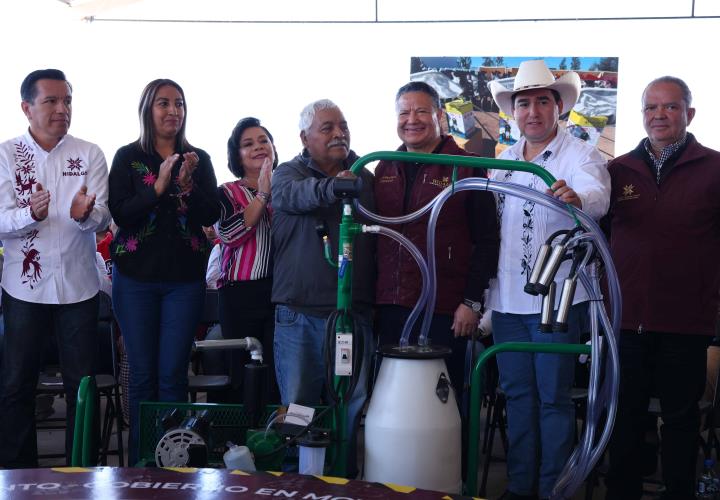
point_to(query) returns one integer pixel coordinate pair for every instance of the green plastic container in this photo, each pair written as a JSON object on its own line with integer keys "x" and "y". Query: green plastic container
{"x": 262, "y": 445}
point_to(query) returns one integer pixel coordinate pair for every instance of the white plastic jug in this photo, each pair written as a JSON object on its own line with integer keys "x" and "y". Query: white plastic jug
{"x": 312, "y": 452}
{"x": 412, "y": 437}
{"x": 312, "y": 460}
{"x": 239, "y": 457}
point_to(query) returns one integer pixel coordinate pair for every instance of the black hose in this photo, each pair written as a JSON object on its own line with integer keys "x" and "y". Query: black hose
{"x": 578, "y": 255}
{"x": 552, "y": 237}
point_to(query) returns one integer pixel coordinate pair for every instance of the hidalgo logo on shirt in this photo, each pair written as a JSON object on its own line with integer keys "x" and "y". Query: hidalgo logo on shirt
{"x": 441, "y": 183}
{"x": 74, "y": 168}
{"x": 628, "y": 193}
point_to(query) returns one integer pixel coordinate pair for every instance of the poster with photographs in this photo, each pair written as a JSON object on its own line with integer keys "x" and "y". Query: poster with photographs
{"x": 475, "y": 121}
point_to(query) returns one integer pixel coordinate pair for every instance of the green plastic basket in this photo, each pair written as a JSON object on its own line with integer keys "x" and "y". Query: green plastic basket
{"x": 228, "y": 422}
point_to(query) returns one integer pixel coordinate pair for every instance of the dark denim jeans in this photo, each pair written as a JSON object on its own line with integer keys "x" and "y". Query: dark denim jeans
{"x": 26, "y": 325}
{"x": 672, "y": 366}
{"x": 158, "y": 323}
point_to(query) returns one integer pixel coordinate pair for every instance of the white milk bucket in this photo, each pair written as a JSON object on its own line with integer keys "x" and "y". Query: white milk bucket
{"x": 412, "y": 437}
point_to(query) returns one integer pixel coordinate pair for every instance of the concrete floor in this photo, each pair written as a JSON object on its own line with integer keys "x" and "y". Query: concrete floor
{"x": 52, "y": 441}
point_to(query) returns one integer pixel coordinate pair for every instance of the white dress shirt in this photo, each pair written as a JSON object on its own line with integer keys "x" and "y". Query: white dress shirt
{"x": 524, "y": 225}
{"x": 50, "y": 261}
{"x": 213, "y": 273}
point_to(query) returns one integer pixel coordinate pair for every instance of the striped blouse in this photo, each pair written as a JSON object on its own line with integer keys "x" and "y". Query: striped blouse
{"x": 245, "y": 250}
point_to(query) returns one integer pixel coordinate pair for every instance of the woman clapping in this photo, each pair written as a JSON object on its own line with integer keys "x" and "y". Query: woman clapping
{"x": 244, "y": 230}
{"x": 162, "y": 191}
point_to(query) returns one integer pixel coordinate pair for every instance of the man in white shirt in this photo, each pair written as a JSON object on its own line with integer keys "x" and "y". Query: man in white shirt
{"x": 53, "y": 197}
{"x": 537, "y": 386}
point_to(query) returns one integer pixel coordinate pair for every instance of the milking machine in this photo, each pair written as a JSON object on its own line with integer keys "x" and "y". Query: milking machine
{"x": 412, "y": 427}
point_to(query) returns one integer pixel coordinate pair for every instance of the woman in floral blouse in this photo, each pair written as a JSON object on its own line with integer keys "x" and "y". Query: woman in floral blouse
{"x": 162, "y": 191}
{"x": 244, "y": 229}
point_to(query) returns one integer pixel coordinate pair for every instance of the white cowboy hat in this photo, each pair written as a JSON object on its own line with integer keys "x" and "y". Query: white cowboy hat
{"x": 535, "y": 74}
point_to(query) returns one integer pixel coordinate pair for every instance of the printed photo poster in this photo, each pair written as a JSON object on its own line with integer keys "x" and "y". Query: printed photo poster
{"x": 479, "y": 127}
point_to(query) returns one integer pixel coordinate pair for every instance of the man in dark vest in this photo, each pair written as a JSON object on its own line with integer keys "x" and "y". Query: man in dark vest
{"x": 466, "y": 236}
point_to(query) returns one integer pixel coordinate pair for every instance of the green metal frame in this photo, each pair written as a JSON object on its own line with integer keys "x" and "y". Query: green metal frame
{"x": 82, "y": 451}
{"x": 471, "y": 486}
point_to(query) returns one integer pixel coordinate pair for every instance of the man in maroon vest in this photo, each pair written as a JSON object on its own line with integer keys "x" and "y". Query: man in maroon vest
{"x": 466, "y": 236}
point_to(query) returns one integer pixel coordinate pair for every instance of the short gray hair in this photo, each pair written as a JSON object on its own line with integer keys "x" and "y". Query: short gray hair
{"x": 684, "y": 89}
{"x": 307, "y": 115}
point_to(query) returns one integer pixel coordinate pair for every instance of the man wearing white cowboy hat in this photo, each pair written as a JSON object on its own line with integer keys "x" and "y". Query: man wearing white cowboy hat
{"x": 537, "y": 386}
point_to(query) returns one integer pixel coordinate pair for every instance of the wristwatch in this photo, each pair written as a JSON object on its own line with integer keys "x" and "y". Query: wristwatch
{"x": 477, "y": 307}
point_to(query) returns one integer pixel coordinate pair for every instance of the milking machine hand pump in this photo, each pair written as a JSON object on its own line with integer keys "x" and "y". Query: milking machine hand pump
{"x": 343, "y": 369}
{"x": 586, "y": 239}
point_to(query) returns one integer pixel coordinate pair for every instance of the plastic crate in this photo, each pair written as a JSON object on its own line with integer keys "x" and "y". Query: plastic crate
{"x": 228, "y": 422}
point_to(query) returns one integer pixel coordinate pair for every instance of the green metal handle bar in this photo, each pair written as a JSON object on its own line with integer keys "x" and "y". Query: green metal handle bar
{"x": 453, "y": 160}
{"x": 461, "y": 161}
{"x": 471, "y": 486}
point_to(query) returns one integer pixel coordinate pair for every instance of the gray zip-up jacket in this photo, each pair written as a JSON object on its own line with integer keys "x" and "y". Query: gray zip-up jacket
{"x": 302, "y": 198}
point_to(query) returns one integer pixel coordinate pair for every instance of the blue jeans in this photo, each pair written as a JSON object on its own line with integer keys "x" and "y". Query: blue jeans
{"x": 158, "y": 321}
{"x": 26, "y": 326}
{"x": 300, "y": 366}
{"x": 540, "y": 411}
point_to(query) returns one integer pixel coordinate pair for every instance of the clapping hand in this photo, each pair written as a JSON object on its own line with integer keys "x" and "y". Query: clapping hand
{"x": 189, "y": 164}
{"x": 82, "y": 204}
{"x": 265, "y": 177}
{"x": 165, "y": 173}
{"x": 40, "y": 202}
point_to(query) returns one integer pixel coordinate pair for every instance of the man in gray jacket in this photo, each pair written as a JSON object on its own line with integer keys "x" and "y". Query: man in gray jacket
{"x": 304, "y": 283}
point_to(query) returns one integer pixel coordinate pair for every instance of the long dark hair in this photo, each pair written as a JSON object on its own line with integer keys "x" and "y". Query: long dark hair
{"x": 147, "y": 128}
{"x": 233, "y": 146}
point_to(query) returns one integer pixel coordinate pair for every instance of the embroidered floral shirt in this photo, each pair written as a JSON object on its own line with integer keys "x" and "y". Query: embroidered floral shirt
{"x": 160, "y": 238}
{"x": 524, "y": 225}
{"x": 50, "y": 261}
